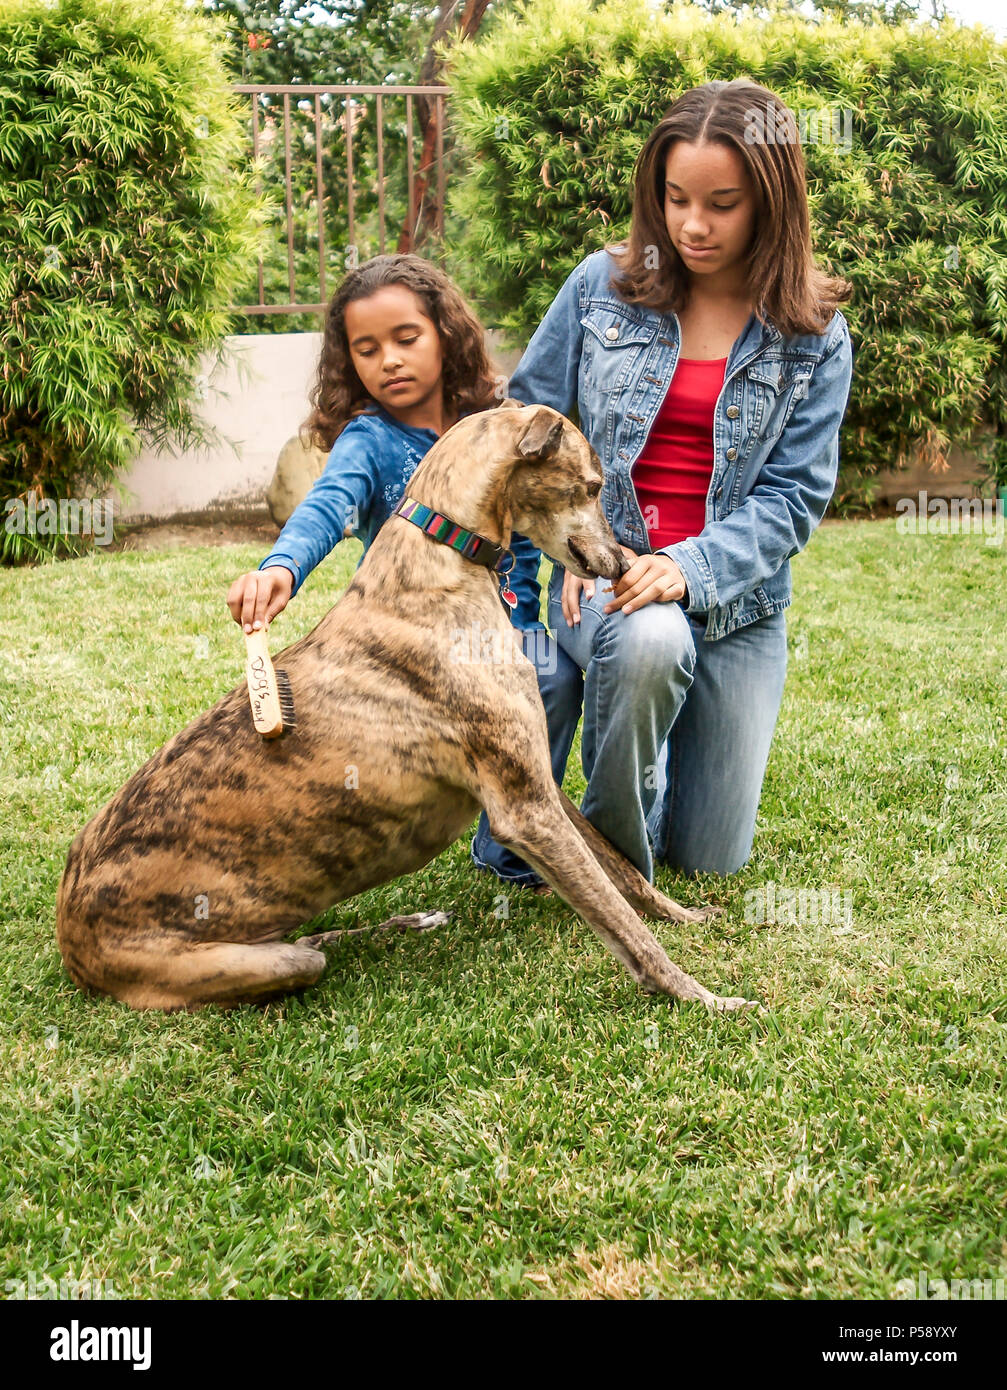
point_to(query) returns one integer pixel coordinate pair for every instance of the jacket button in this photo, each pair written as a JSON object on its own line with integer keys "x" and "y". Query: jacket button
{"x": 732, "y": 454}
{"x": 733, "y": 412}
{"x": 611, "y": 334}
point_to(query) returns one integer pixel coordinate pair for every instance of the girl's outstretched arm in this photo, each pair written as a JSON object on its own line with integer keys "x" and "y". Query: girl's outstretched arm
{"x": 338, "y": 501}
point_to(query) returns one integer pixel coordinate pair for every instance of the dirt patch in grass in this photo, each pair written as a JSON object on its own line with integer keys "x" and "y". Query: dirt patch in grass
{"x": 607, "y": 1273}
{"x": 185, "y": 536}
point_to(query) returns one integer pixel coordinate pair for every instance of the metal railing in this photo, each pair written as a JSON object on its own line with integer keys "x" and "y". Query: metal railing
{"x": 417, "y": 180}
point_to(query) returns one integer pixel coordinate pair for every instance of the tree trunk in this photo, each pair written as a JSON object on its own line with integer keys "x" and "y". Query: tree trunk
{"x": 423, "y": 213}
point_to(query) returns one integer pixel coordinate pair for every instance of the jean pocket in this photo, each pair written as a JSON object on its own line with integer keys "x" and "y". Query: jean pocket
{"x": 772, "y": 389}
{"x": 613, "y": 346}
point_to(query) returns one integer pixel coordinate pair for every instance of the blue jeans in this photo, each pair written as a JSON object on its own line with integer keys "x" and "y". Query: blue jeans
{"x": 676, "y": 729}
{"x": 561, "y": 685}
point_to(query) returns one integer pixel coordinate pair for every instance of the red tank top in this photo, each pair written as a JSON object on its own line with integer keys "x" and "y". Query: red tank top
{"x": 672, "y": 474}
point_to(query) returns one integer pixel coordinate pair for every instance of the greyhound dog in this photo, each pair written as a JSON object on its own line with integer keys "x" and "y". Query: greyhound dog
{"x": 184, "y": 889}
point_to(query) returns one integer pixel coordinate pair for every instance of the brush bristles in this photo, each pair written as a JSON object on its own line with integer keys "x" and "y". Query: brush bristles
{"x": 286, "y": 696}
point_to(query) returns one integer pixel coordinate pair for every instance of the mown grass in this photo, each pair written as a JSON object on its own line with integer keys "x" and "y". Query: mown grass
{"x": 494, "y": 1109}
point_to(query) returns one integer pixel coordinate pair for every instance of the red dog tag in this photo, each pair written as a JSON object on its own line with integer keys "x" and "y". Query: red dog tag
{"x": 509, "y": 597}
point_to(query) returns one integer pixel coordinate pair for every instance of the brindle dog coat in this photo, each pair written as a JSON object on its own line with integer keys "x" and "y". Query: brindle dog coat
{"x": 397, "y": 745}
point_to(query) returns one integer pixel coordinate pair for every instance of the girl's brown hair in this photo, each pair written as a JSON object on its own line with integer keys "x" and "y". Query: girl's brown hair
{"x": 785, "y": 284}
{"x": 338, "y": 393}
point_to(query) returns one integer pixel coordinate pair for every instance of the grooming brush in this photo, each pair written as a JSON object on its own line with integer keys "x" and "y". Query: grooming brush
{"x": 268, "y": 690}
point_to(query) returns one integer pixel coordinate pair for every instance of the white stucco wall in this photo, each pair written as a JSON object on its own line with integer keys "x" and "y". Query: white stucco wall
{"x": 258, "y": 410}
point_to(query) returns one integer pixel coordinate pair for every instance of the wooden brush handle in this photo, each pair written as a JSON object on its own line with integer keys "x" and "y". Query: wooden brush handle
{"x": 262, "y": 689}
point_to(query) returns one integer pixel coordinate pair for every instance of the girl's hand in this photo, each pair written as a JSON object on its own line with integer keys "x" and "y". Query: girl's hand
{"x": 649, "y": 579}
{"x": 255, "y": 598}
{"x": 573, "y": 586}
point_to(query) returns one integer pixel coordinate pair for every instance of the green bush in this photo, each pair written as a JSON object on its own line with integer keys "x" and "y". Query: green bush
{"x": 555, "y": 101}
{"x": 127, "y": 226}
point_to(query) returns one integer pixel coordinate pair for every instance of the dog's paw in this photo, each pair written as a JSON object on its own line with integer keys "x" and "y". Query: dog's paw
{"x": 426, "y": 921}
{"x": 724, "y": 1004}
{"x": 675, "y": 912}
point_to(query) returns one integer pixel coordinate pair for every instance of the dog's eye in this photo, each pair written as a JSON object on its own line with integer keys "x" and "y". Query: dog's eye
{"x": 593, "y": 489}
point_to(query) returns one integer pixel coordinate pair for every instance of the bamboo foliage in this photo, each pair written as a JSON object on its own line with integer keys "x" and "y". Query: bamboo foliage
{"x": 127, "y": 223}
{"x": 556, "y": 100}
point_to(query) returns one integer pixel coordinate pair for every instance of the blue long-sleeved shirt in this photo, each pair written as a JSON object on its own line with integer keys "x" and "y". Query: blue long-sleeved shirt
{"x": 364, "y": 479}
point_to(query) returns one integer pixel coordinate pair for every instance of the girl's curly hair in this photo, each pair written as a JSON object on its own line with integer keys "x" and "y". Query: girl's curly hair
{"x": 467, "y": 375}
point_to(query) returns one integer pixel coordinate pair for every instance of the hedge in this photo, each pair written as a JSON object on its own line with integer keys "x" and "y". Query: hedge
{"x": 129, "y": 219}
{"x": 555, "y": 101}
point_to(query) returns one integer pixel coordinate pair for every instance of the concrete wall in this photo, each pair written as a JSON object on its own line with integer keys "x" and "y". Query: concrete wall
{"x": 964, "y": 467}
{"x": 258, "y": 409}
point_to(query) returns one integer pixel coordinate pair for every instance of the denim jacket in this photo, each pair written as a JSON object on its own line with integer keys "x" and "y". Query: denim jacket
{"x": 364, "y": 479}
{"x": 775, "y": 434}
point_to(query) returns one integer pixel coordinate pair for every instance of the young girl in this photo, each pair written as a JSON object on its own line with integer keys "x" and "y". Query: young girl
{"x": 403, "y": 358}
{"x": 711, "y": 370}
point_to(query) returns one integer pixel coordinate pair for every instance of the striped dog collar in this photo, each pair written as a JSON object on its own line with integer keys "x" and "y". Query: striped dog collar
{"x": 468, "y": 543}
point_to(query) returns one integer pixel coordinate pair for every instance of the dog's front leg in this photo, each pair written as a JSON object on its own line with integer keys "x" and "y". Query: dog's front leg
{"x": 535, "y": 827}
{"x": 648, "y": 900}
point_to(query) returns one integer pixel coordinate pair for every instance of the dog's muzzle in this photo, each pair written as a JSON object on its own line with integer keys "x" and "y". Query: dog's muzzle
{"x": 606, "y": 561}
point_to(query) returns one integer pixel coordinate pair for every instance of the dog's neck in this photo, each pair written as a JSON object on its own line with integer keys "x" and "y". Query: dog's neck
{"x": 476, "y": 499}
{"x": 403, "y": 559}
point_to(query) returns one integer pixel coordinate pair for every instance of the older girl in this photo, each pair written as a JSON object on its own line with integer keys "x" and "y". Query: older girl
{"x": 710, "y": 368}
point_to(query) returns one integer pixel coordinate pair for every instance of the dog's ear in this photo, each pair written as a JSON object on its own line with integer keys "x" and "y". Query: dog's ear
{"x": 542, "y": 437}
{"x": 510, "y": 403}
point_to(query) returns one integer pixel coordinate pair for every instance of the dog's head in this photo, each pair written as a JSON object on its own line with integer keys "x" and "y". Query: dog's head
{"x": 552, "y": 493}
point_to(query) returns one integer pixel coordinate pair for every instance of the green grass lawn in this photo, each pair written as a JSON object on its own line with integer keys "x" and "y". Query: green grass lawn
{"x": 495, "y": 1109}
